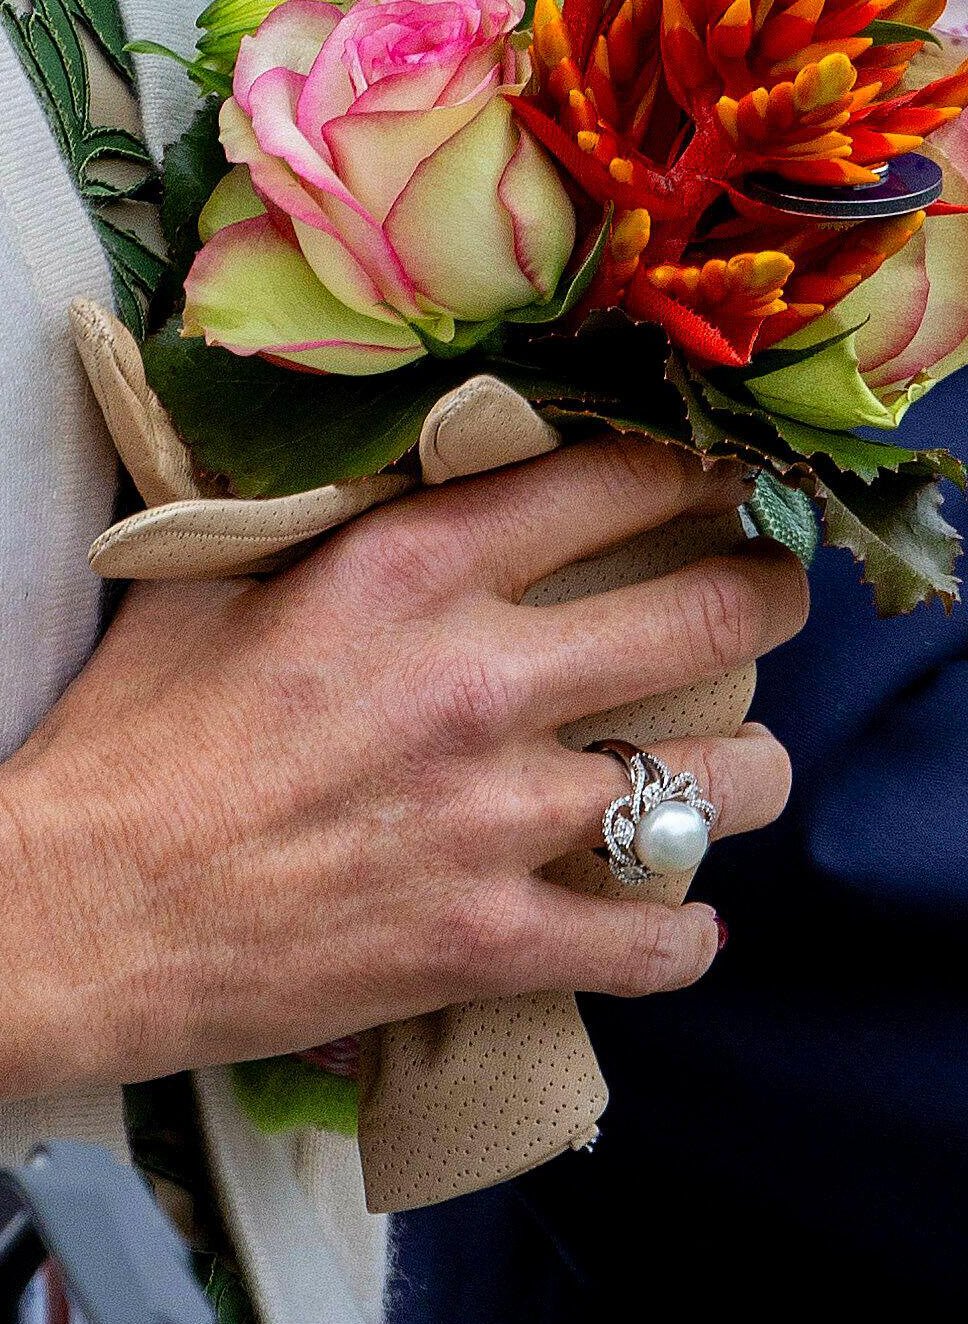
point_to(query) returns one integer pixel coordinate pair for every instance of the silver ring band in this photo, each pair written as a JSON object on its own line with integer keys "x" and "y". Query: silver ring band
{"x": 661, "y": 828}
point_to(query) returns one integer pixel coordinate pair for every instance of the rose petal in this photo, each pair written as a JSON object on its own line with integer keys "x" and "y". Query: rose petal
{"x": 541, "y": 215}
{"x": 376, "y": 154}
{"x": 289, "y": 38}
{"x": 253, "y": 293}
{"x": 273, "y": 98}
{"x": 325, "y": 250}
{"x": 940, "y": 345}
{"x": 233, "y": 199}
{"x": 454, "y": 193}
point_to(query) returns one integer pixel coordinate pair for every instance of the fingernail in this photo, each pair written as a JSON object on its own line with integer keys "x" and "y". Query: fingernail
{"x": 723, "y": 933}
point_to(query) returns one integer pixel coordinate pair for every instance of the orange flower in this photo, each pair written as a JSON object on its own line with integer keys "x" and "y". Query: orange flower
{"x": 661, "y": 107}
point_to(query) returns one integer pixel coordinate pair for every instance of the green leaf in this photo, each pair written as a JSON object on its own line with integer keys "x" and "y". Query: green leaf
{"x": 284, "y": 1093}
{"x": 895, "y": 528}
{"x": 527, "y": 18}
{"x": 775, "y": 360}
{"x": 585, "y": 375}
{"x": 885, "y": 32}
{"x": 467, "y": 336}
{"x": 785, "y": 514}
{"x": 191, "y": 169}
{"x": 571, "y": 289}
{"x": 271, "y": 431}
{"x": 850, "y": 453}
{"x": 236, "y": 15}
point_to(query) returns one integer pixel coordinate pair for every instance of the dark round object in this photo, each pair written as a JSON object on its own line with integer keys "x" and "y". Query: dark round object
{"x": 910, "y": 183}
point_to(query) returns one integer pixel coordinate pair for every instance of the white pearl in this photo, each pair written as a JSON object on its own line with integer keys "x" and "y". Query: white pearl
{"x": 671, "y": 838}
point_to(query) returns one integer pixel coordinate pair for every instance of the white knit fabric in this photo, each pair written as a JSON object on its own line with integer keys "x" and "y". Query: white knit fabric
{"x": 315, "y": 1255}
{"x": 57, "y": 484}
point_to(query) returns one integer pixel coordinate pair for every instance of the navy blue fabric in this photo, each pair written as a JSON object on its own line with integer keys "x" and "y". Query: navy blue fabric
{"x": 793, "y": 1131}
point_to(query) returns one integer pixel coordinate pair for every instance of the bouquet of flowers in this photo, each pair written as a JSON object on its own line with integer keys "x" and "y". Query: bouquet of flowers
{"x": 715, "y": 225}
{"x": 667, "y": 216}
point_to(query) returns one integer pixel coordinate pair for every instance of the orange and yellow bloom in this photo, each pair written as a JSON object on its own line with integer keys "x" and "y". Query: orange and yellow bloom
{"x": 663, "y": 107}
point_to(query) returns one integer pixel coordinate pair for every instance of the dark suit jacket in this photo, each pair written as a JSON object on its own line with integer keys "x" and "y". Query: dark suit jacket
{"x": 793, "y": 1131}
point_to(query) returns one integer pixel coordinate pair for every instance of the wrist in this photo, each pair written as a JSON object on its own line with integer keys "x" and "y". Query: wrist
{"x": 63, "y": 1019}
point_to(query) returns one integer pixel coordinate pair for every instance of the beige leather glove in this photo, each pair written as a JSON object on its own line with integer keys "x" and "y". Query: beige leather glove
{"x": 472, "y": 1095}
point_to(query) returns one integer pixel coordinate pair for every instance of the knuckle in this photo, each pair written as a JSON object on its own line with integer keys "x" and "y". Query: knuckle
{"x": 631, "y": 466}
{"x": 653, "y": 953}
{"x": 720, "y": 619}
{"x": 470, "y": 700}
{"x": 716, "y": 775}
{"x": 474, "y": 938}
{"x": 395, "y": 558}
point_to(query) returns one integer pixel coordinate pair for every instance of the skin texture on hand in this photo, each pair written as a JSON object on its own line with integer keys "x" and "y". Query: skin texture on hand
{"x": 268, "y": 814}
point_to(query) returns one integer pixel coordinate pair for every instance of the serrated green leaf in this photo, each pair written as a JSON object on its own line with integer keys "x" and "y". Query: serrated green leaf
{"x": 272, "y": 432}
{"x": 283, "y": 1093}
{"x": 591, "y": 369}
{"x": 784, "y": 514}
{"x": 800, "y": 443}
{"x": 850, "y": 453}
{"x": 895, "y": 528}
{"x": 885, "y": 32}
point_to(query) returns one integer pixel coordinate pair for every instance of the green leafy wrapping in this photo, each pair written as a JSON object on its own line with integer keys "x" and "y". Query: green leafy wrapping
{"x": 283, "y": 1093}
{"x": 111, "y": 167}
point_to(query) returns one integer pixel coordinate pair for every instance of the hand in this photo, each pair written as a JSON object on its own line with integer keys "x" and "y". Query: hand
{"x": 269, "y": 814}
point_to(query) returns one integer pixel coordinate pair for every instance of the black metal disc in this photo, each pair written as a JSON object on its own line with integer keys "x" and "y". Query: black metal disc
{"x": 910, "y": 183}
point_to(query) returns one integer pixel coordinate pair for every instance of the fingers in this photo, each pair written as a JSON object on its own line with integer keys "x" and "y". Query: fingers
{"x": 747, "y": 778}
{"x": 517, "y": 525}
{"x": 599, "y": 653}
{"x": 626, "y": 948}
{"x": 574, "y": 942}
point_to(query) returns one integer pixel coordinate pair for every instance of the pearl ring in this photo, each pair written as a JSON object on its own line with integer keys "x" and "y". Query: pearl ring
{"x": 662, "y": 826}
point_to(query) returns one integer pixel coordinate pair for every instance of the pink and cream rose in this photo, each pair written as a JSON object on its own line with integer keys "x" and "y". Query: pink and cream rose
{"x": 381, "y": 183}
